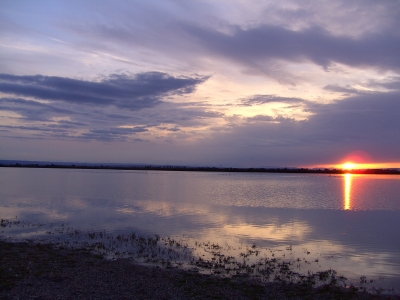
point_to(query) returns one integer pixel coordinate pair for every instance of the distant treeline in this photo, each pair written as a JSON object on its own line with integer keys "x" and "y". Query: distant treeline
{"x": 205, "y": 169}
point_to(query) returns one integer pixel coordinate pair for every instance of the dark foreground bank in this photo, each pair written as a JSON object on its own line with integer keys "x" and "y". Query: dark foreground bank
{"x": 34, "y": 271}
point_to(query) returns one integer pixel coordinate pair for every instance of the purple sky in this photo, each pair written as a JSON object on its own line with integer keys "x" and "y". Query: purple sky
{"x": 231, "y": 83}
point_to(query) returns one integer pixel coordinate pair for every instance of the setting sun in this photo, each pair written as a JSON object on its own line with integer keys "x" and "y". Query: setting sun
{"x": 348, "y": 166}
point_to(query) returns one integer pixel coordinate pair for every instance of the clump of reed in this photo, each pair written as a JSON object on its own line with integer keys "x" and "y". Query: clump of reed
{"x": 261, "y": 263}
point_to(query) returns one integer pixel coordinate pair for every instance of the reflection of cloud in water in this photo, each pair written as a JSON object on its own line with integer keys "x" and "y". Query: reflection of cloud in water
{"x": 349, "y": 261}
{"x": 281, "y": 232}
{"x": 164, "y": 209}
{"x": 24, "y": 213}
{"x": 76, "y": 202}
{"x": 33, "y": 234}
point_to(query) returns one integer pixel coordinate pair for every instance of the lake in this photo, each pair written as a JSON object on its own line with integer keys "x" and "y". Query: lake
{"x": 348, "y": 223}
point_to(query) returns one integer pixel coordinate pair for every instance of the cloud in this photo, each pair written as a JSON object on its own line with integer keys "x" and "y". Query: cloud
{"x": 340, "y": 89}
{"x": 174, "y": 129}
{"x": 390, "y": 83}
{"x": 367, "y": 122}
{"x": 371, "y": 120}
{"x": 112, "y": 134}
{"x": 326, "y": 48}
{"x": 40, "y": 132}
{"x": 72, "y": 131}
{"x": 258, "y": 45}
{"x": 263, "y": 99}
{"x": 33, "y": 110}
{"x": 129, "y": 91}
{"x": 266, "y": 118}
{"x": 111, "y": 109}
{"x": 70, "y": 124}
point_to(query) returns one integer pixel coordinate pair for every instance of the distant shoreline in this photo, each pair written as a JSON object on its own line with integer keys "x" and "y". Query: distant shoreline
{"x": 201, "y": 169}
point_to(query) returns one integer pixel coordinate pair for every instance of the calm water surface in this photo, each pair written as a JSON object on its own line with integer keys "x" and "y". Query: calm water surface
{"x": 350, "y": 223}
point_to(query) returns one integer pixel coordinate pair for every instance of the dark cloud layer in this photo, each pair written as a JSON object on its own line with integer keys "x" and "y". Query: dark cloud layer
{"x": 263, "y": 99}
{"x": 342, "y": 89}
{"x": 265, "y": 42}
{"x": 128, "y": 91}
{"x": 111, "y": 109}
{"x": 112, "y": 134}
{"x": 391, "y": 83}
{"x": 33, "y": 110}
{"x": 367, "y": 122}
{"x": 328, "y": 49}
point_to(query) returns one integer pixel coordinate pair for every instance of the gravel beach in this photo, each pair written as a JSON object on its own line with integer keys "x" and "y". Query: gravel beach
{"x": 41, "y": 271}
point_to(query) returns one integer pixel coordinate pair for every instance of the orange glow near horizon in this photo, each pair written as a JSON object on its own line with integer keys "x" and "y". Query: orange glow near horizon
{"x": 360, "y": 160}
{"x": 358, "y": 166}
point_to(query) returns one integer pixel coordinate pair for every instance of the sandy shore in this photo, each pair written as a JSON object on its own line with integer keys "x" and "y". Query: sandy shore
{"x": 32, "y": 271}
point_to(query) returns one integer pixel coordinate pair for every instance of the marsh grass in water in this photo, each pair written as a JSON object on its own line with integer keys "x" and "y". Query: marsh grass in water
{"x": 41, "y": 271}
{"x": 262, "y": 264}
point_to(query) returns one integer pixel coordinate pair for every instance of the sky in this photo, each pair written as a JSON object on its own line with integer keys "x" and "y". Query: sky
{"x": 217, "y": 83}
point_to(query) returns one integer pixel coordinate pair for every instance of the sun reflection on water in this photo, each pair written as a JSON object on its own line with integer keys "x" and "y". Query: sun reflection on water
{"x": 347, "y": 191}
